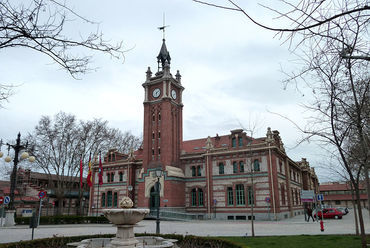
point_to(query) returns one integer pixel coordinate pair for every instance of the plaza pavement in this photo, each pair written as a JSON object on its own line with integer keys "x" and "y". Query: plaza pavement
{"x": 292, "y": 226}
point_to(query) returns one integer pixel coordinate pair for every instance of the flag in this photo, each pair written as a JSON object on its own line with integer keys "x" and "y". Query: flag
{"x": 100, "y": 170}
{"x": 81, "y": 172}
{"x": 89, "y": 182}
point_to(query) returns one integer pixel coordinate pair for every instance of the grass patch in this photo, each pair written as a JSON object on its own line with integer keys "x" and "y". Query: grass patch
{"x": 301, "y": 241}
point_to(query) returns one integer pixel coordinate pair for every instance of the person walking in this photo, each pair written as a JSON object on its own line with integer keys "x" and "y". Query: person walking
{"x": 309, "y": 213}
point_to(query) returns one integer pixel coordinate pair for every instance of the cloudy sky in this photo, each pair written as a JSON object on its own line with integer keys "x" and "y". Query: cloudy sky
{"x": 230, "y": 68}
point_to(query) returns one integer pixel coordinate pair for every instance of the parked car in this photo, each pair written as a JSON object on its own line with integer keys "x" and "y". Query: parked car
{"x": 330, "y": 213}
{"x": 343, "y": 210}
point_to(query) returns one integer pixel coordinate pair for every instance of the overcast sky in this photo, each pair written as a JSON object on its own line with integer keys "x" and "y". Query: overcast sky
{"x": 230, "y": 68}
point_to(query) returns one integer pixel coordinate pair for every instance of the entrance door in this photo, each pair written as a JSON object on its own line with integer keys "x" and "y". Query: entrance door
{"x": 153, "y": 197}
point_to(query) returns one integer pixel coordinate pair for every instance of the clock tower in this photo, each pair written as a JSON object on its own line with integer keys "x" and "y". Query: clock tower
{"x": 163, "y": 133}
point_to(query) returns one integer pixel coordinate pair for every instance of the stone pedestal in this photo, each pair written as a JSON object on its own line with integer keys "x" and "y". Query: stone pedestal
{"x": 9, "y": 218}
{"x": 125, "y": 237}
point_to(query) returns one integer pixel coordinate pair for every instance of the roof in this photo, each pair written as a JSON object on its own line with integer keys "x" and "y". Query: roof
{"x": 337, "y": 186}
{"x": 199, "y": 145}
{"x": 164, "y": 55}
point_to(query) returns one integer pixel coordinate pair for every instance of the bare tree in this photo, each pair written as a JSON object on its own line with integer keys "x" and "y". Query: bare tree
{"x": 41, "y": 25}
{"x": 60, "y": 143}
{"x": 331, "y": 40}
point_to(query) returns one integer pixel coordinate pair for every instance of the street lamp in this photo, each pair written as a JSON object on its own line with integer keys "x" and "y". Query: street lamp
{"x": 158, "y": 174}
{"x": 18, "y": 147}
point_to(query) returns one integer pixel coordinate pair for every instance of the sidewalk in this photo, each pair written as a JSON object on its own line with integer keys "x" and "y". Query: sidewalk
{"x": 293, "y": 226}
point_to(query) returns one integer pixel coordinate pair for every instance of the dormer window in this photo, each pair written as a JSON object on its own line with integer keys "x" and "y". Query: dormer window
{"x": 233, "y": 142}
{"x": 240, "y": 139}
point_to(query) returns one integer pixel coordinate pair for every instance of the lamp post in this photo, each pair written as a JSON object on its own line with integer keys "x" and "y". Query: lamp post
{"x": 17, "y": 147}
{"x": 158, "y": 175}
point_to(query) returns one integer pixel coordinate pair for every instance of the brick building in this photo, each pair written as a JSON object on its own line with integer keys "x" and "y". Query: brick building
{"x": 338, "y": 194}
{"x": 209, "y": 177}
{"x": 29, "y": 184}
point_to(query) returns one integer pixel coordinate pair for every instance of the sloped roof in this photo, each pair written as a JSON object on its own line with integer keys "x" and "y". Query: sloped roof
{"x": 199, "y": 145}
{"x": 337, "y": 186}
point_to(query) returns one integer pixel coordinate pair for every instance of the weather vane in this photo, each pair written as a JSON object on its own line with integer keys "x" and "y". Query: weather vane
{"x": 163, "y": 27}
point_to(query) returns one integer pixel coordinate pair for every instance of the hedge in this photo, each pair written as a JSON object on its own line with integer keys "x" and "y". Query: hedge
{"x": 183, "y": 241}
{"x": 63, "y": 219}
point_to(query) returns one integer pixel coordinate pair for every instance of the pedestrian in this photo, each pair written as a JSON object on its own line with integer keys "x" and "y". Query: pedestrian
{"x": 305, "y": 214}
{"x": 309, "y": 213}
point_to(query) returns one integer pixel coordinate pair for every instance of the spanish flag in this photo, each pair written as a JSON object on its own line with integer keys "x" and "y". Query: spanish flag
{"x": 89, "y": 182}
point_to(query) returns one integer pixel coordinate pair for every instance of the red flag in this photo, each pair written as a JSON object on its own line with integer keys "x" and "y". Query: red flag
{"x": 89, "y": 182}
{"x": 81, "y": 172}
{"x": 100, "y": 171}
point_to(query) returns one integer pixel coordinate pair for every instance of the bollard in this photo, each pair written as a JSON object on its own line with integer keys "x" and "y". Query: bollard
{"x": 33, "y": 223}
{"x": 321, "y": 225}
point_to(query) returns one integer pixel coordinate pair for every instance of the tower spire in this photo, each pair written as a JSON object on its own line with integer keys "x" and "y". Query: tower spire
{"x": 163, "y": 57}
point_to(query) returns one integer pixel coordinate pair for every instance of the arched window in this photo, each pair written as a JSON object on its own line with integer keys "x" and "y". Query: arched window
{"x": 103, "y": 200}
{"x": 240, "y": 195}
{"x": 256, "y": 165}
{"x": 200, "y": 197}
{"x": 193, "y": 197}
{"x": 221, "y": 169}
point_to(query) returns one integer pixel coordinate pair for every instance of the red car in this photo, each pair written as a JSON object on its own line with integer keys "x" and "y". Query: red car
{"x": 330, "y": 213}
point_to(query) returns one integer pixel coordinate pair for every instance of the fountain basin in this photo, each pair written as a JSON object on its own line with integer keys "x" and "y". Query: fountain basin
{"x": 129, "y": 216}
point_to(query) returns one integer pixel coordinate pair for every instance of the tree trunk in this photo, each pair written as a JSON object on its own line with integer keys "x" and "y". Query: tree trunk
{"x": 354, "y": 210}
{"x": 360, "y": 217}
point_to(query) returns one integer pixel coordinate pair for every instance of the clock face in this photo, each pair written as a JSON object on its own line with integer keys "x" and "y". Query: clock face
{"x": 173, "y": 94}
{"x": 156, "y": 92}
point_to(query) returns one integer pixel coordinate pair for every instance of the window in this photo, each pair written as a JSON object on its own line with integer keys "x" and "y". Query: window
{"x": 112, "y": 177}
{"x": 250, "y": 196}
{"x": 230, "y": 196}
{"x": 296, "y": 196}
{"x": 152, "y": 151}
{"x": 159, "y": 134}
{"x": 159, "y": 116}
{"x": 282, "y": 194}
{"x": 240, "y": 197}
{"x": 241, "y": 166}
{"x": 199, "y": 171}
{"x": 120, "y": 176}
{"x": 235, "y": 167}
{"x": 200, "y": 197}
{"x": 115, "y": 199}
{"x": 233, "y": 142}
{"x": 193, "y": 197}
{"x": 193, "y": 172}
{"x": 103, "y": 200}
{"x": 153, "y": 118}
{"x": 109, "y": 199}
{"x": 159, "y": 151}
{"x": 256, "y": 165}
{"x": 221, "y": 169}
{"x": 281, "y": 166}
{"x": 108, "y": 177}
{"x": 337, "y": 202}
{"x": 240, "y": 141}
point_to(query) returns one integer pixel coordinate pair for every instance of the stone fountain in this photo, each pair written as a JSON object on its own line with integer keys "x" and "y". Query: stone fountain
{"x": 125, "y": 219}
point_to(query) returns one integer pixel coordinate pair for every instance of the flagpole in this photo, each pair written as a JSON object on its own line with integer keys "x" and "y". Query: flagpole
{"x": 99, "y": 182}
